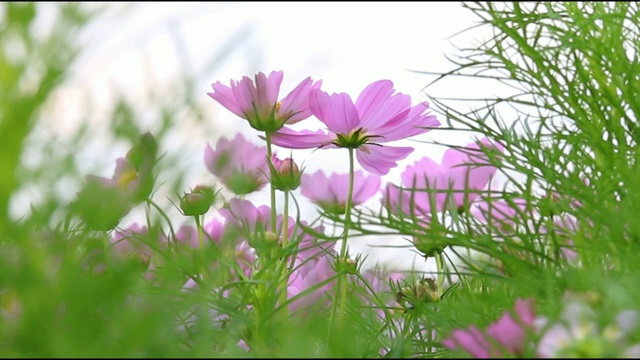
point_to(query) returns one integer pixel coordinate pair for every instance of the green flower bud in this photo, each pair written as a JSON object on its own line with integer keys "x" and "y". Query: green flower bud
{"x": 427, "y": 247}
{"x": 285, "y": 174}
{"x": 198, "y": 201}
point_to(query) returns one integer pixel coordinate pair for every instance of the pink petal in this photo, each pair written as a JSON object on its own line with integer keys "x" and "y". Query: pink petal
{"x": 267, "y": 89}
{"x": 373, "y": 101}
{"x": 305, "y": 139}
{"x": 413, "y": 122}
{"x": 511, "y": 333}
{"x": 245, "y": 94}
{"x": 364, "y": 187}
{"x": 297, "y": 101}
{"x": 379, "y": 160}
{"x": 336, "y": 111}
{"x": 313, "y": 186}
{"x": 472, "y": 341}
{"x": 224, "y": 95}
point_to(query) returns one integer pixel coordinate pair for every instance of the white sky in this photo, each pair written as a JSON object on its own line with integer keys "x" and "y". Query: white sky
{"x": 346, "y": 44}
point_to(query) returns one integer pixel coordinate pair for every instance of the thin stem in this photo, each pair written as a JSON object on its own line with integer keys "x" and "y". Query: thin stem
{"x": 285, "y": 242}
{"x": 341, "y": 286}
{"x": 199, "y": 229}
{"x": 285, "y": 221}
{"x": 267, "y": 136}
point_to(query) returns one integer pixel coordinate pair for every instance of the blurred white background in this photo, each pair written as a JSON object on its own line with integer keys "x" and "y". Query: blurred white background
{"x": 137, "y": 46}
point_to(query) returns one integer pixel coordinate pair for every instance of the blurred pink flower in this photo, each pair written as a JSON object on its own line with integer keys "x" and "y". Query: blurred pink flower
{"x": 130, "y": 241}
{"x": 456, "y": 182}
{"x": 136, "y": 242}
{"x": 240, "y": 164}
{"x": 125, "y": 177}
{"x": 311, "y": 279}
{"x": 254, "y": 221}
{"x": 506, "y": 334}
{"x": 330, "y": 193}
{"x": 258, "y": 103}
{"x": 580, "y": 331}
{"x": 501, "y": 214}
{"x": 379, "y": 115}
{"x": 246, "y": 217}
{"x": 565, "y": 227}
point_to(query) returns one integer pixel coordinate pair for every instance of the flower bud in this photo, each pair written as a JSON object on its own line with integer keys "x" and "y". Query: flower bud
{"x": 198, "y": 201}
{"x": 265, "y": 243}
{"x": 348, "y": 266}
{"x": 285, "y": 174}
{"x": 423, "y": 291}
{"x": 427, "y": 247}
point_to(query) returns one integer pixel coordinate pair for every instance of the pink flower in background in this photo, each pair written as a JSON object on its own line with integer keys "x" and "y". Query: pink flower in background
{"x": 240, "y": 164}
{"x": 310, "y": 281}
{"x": 501, "y": 214}
{"x": 565, "y": 228}
{"x": 330, "y": 193}
{"x": 313, "y": 261}
{"x": 507, "y": 333}
{"x": 136, "y": 242}
{"x": 254, "y": 221}
{"x": 215, "y": 229}
{"x": 125, "y": 177}
{"x": 258, "y": 102}
{"x": 378, "y": 116}
{"x": 246, "y": 217}
{"x": 187, "y": 235}
{"x": 456, "y": 182}
{"x": 130, "y": 241}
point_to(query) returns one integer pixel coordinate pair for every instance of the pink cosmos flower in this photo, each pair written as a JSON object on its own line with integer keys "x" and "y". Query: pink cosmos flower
{"x": 312, "y": 273}
{"x": 565, "y": 228}
{"x": 245, "y": 216}
{"x": 103, "y": 201}
{"x": 251, "y": 221}
{"x": 506, "y": 334}
{"x": 456, "y": 182}
{"x": 580, "y": 332}
{"x": 501, "y": 214}
{"x": 240, "y": 164}
{"x": 258, "y": 103}
{"x": 134, "y": 242}
{"x": 378, "y": 116}
{"x": 125, "y": 177}
{"x": 311, "y": 279}
{"x": 130, "y": 241}
{"x": 187, "y": 235}
{"x": 330, "y": 193}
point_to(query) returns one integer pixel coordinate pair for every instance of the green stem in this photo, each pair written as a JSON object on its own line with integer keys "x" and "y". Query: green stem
{"x": 267, "y": 136}
{"x": 201, "y": 245}
{"x": 440, "y": 270}
{"x": 285, "y": 221}
{"x": 341, "y": 286}
{"x": 284, "y": 231}
{"x": 285, "y": 268}
{"x": 199, "y": 229}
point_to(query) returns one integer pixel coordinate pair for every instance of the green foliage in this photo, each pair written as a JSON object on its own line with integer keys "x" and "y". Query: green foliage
{"x": 570, "y": 131}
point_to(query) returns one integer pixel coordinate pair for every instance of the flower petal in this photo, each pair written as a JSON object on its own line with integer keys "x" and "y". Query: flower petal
{"x": 379, "y": 160}
{"x": 295, "y": 105}
{"x": 305, "y": 139}
{"x": 267, "y": 89}
{"x": 225, "y": 96}
{"x": 336, "y": 111}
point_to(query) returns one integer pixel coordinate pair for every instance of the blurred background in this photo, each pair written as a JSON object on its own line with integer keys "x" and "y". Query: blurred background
{"x": 148, "y": 67}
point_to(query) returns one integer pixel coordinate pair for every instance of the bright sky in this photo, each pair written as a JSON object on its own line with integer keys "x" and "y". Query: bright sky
{"x": 345, "y": 44}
